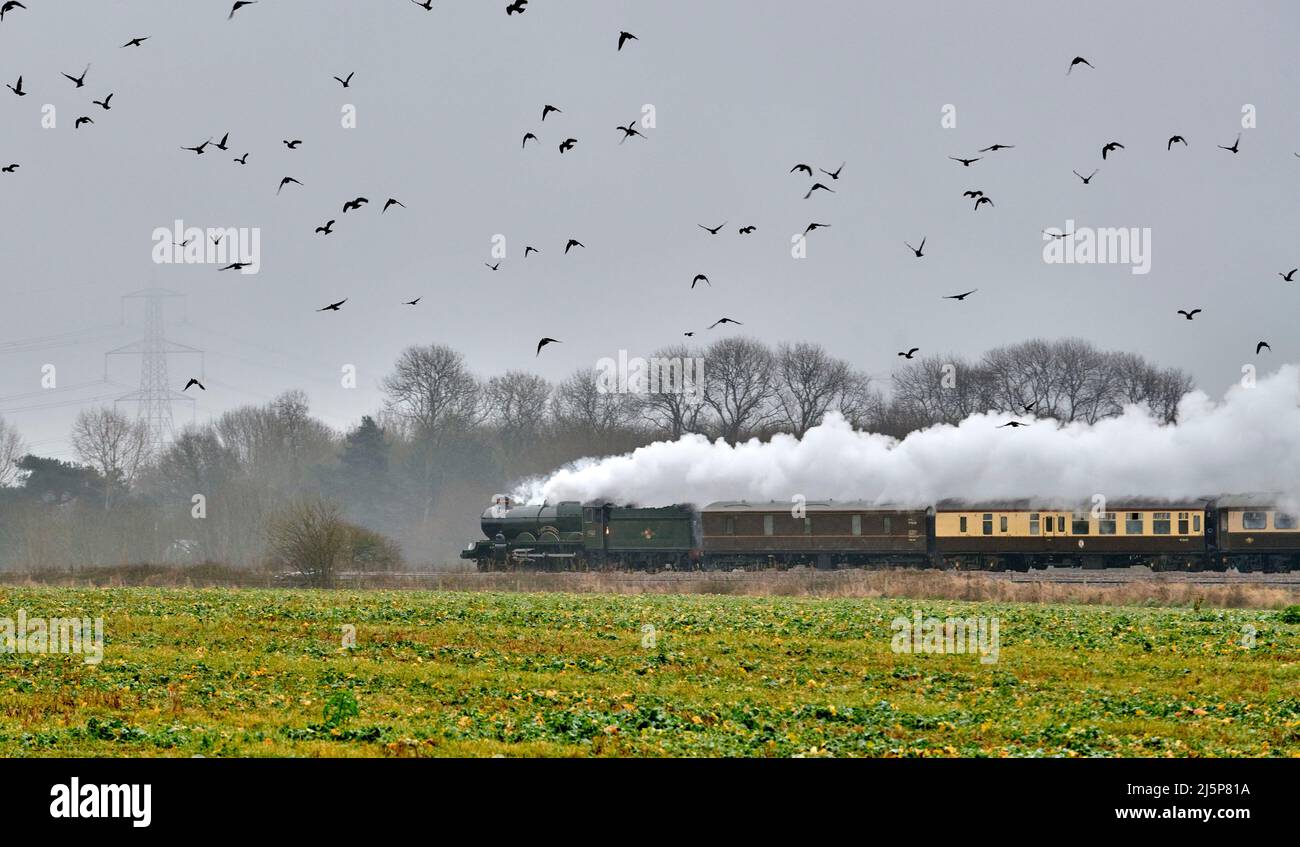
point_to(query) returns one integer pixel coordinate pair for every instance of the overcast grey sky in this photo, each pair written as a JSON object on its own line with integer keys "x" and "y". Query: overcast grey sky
{"x": 742, "y": 90}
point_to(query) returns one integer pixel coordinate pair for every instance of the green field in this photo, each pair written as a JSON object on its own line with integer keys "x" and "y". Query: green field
{"x": 255, "y": 672}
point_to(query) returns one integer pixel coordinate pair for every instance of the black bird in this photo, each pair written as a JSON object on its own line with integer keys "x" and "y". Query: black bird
{"x": 136, "y": 42}
{"x": 239, "y": 4}
{"x": 573, "y": 242}
{"x": 427, "y": 5}
{"x": 17, "y": 89}
{"x": 82, "y": 120}
{"x": 835, "y": 174}
{"x": 286, "y": 181}
{"x": 221, "y": 145}
{"x": 354, "y": 204}
{"x": 413, "y": 302}
{"x": 1058, "y": 234}
{"x": 1289, "y": 276}
{"x": 983, "y": 200}
{"x": 495, "y": 267}
{"x": 909, "y": 353}
{"x": 966, "y": 162}
{"x": 9, "y": 6}
{"x": 1233, "y": 148}
{"x": 1188, "y": 315}
{"x": 346, "y": 82}
{"x": 689, "y": 334}
{"x": 1013, "y": 424}
{"x": 216, "y": 239}
{"x": 996, "y": 147}
{"x": 333, "y": 307}
{"x": 234, "y": 266}
{"x": 1029, "y": 407}
{"x": 972, "y": 194}
{"x": 1261, "y": 345}
{"x": 328, "y": 229}
{"x": 194, "y": 382}
{"x": 916, "y": 250}
{"x": 700, "y": 278}
{"x": 528, "y": 135}
{"x": 243, "y": 160}
{"x": 392, "y": 201}
{"x": 103, "y": 104}
{"x": 816, "y": 186}
{"x": 712, "y": 230}
{"x": 805, "y": 168}
{"x": 628, "y": 131}
{"x": 1175, "y": 139}
{"x": 293, "y": 145}
{"x": 1078, "y": 60}
{"x": 544, "y": 342}
{"x": 567, "y": 145}
{"x": 517, "y": 6}
{"x": 528, "y": 250}
{"x": 813, "y": 226}
{"x": 1111, "y": 147}
{"x": 746, "y": 230}
{"x": 9, "y": 169}
{"x": 961, "y": 296}
{"x": 79, "y": 80}
{"x": 199, "y": 150}
{"x": 725, "y": 321}
{"x": 1086, "y": 179}
{"x": 548, "y": 108}
{"x": 625, "y": 37}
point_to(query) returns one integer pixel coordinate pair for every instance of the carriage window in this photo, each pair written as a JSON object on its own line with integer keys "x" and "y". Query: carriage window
{"x": 1281, "y": 520}
{"x": 1106, "y": 526}
{"x": 962, "y": 523}
{"x": 857, "y": 524}
{"x": 1182, "y": 523}
{"x": 807, "y": 526}
{"x": 1002, "y": 524}
{"x": 1196, "y": 523}
{"x": 729, "y": 526}
{"x": 988, "y": 524}
{"x": 889, "y": 526}
{"x": 1133, "y": 524}
{"x": 1033, "y": 523}
{"x": 1160, "y": 523}
{"x": 1078, "y": 525}
{"x": 767, "y": 524}
{"x": 1254, "y": 520}
{"x": 1060, "y": 523}
{"x": 589, "y": 515}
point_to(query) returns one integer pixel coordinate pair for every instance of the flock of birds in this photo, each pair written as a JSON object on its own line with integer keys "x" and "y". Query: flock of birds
{"x": 628, "y": 132}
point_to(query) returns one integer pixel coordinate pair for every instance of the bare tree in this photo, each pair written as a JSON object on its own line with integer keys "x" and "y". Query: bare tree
{"x": 432, "y": 388}
{"x": 111, "y": 443}
{"x": 579, "y": 403}
{"x": 675, "y": 412}
{"x": 517, "y": 405}
{"x": 11, "y": 450}
{"x": 809, "y": 382}
{"x": 311, "y": 537}
{"x": 739, "y": 386}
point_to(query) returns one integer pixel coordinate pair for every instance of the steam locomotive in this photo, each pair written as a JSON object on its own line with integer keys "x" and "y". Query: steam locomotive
{"x": 1252, "y": 532}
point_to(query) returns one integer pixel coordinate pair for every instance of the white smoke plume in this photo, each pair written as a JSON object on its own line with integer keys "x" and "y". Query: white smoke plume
{"x": 1247, "y": 442}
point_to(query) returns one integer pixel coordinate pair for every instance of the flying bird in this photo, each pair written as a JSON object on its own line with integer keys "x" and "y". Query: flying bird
{"x": 725, "y": 321}
{"x": 392, "y": 201}
{"x": 347, "y": 82}
{"x": 1188, "y": 315}
{"x": 516, "y": 7}
{"x": 961, "y": 296}
{"x": 528, "y": 135}
{"x": 993, "y": 148}
{"x": 628, "y": 131}
{"x": 192, "y": 383}
{"x": 9, "y": 169}
{"x": 1029, "y": 407}
{"x": 746, "y": 230}
{"x": 136, "y": 42}
{"x": 239, "y": 4}
{"x": 413, "y": 302}
{"x": 243, "y": 160}
{"x": 1110, "y": 148}
{"x": 9, "y": 6}
{"x": 82, "y": 120}
{"x": 700, "y": 278}
{"x": 567, "y": 145}
{"x": 972, "y": 194}
{"x": 573, "y": 242}
{"x": 103, "y": 104}
{"x": 805, "y": 168}
{"x": 286, "y": 181}
{"x": 548, "y": 108}
{"x": 1175, "y": 139}
{"x": 1086, "y": 179}
{"x": 1289, "y": 276}
{"x": 1262, "y": 345}
{"x": 966, "y": 162}
{"x": 983, "y": 200}
{"x": 427, "y": 5}
{"x": 1078, "y": 60}
{"x": 625, "y": 37}
{"x": 354, "y": 204}
{"x": 333, "y": 307}
{"x": 712, "y": 230}
{"x": 528, "y": 249}
{"x": 1233, "y": 148}
{"x": 328, "y": 229}
{"x": 817, "y": 186}
{"x": 1013, "y": 424}
{"x": 689, "y": 334}
{"x": 199, "y": 149}
{"x": 234, "y": 266}
{"x": 221, "y": 145}
{"x": 813, "y": 226}
{"x": 909, "y": 353}
{"x": 495, "y": 267}
{"x": 835, "y": 174}
{"x": 544, "y": 342}
{"x": 293, "y": 145}
{"x": 80, "y": 81}
{"x": 916, "y": 250}
{"x": 17, "y": 89}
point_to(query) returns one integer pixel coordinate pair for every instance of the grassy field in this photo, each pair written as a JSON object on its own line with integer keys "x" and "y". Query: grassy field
{"x": 224, "y": 672}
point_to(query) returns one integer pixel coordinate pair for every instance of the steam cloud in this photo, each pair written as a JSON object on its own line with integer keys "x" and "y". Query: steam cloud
{"x": 1248, "y": 442}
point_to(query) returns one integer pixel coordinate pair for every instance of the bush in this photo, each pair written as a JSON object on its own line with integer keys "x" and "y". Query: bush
{"x": 310, "y": 539}
{"x": 1291, "y": 614}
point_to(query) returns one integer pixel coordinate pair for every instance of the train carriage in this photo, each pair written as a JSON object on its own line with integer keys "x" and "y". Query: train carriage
{"x": 1256, "y": 533}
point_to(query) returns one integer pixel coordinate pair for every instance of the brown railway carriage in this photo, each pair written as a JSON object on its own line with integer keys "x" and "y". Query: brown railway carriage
{"x": 1020, "y": 534}
{"x": 824, "y": 534}
{"x": 1255, "y": 532}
